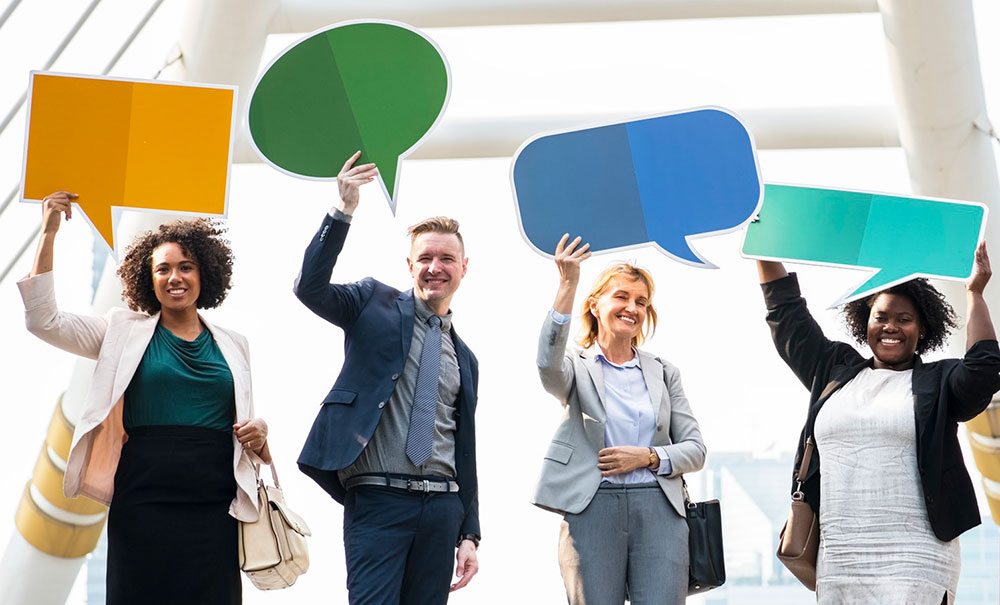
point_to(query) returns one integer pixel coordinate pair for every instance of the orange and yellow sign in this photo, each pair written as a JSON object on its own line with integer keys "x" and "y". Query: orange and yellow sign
{"x": 133, "y": 144}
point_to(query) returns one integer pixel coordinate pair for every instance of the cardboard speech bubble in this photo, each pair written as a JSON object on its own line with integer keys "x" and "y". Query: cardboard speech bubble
{"x": 899, "y": 237}
{"x": 123, "y": 143}
{"x": 377, "y": 86}
{"x": 663, "y": 180}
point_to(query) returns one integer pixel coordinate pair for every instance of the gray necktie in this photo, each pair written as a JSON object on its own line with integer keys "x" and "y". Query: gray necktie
{"x": 420, "y": 436}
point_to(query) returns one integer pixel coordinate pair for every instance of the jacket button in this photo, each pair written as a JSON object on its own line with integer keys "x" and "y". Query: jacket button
{"x": 930, "y": 499}
{"x": 659, "y": 428}
{"x": 395, "y": 376}
{"x": 381, "y": 405}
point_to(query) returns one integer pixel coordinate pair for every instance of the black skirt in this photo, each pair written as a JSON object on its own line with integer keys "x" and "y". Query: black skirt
{"x": 171, "y": 539}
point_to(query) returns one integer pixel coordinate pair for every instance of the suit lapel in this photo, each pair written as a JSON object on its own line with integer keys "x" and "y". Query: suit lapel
{"x": 140, "y": 332}
{"x": 404, "y": 302}
{"x": 652, "y": 373}
{"x": 593, "y": 365}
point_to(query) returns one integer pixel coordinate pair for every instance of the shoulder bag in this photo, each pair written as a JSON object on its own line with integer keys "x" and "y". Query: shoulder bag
{"x": 706, "y": 563}
{"x": 798, "y": 543}
{"x": 273, "y": 550}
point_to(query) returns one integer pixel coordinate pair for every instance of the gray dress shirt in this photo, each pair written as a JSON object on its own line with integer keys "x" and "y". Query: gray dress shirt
{"x": 386, "y": 451}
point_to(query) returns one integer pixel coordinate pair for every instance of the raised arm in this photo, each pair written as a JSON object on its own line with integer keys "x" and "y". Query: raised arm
{"x": 78, "y": 334}
{"x": 979, "y": 325}
{"x": 53, "y": 207}
{"x": 770, "y": 270}
{"x": 554, "y": 368}
{"x": 338, "y": 304}
{"x": 797, "y": 337}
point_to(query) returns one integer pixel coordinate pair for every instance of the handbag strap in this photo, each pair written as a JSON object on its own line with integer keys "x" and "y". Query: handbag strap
{"x": 274, "y": 473}
{"x": 687, "y": 497}
{"x": 800, "y": 476}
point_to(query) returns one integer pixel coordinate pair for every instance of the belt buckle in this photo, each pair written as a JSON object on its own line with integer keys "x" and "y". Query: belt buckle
{"x": 418, "y": 485}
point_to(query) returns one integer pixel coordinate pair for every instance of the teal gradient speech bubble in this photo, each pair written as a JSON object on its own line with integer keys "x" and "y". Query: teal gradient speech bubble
{"x": 900, "y": 237}
{"x": 377, "y": 86}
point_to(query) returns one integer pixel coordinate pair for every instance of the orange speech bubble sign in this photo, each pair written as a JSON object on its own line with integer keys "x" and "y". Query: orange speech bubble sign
{"x": 135, "y": 144}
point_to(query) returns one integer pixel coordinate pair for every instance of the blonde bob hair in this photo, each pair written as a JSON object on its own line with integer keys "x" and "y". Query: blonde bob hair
{"x": 588, "y": 331}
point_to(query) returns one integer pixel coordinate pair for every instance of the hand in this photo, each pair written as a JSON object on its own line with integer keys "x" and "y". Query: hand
{"x": 569, "y": 257}
{"x": 467, "y": 564}
{"x": 252, "y": 434}
{"x": 352, "y": 177}
{"x": 622, "y": 459}
{"x": 981, "y": 271}
{"x": 54, "y": 205}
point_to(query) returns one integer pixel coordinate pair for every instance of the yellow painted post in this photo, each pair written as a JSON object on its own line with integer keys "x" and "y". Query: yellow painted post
{"x": 46, "y": 518}
{"x": 984, "y": 438}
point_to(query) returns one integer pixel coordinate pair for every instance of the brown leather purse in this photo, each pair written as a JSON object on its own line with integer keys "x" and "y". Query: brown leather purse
{"x": 798, "y": 544}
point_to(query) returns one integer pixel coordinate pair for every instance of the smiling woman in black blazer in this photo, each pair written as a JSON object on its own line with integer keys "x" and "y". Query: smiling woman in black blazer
{"x": 888, "y": 479}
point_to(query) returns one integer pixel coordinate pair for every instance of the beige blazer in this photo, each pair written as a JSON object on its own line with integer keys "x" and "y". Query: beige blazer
{"x": 117, "y": 340}
{"x": 570, "y": 476}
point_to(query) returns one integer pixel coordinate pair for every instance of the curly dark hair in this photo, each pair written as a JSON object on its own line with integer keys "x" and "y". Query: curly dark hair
{"x": 937, "y": 317}
{"x": 200, "y": 239}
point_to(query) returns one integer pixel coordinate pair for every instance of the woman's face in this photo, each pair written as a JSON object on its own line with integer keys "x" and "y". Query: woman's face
{"x": 894, "y": 329}
{"x": 621, "y": 309}
{"x": 176, "y": 279}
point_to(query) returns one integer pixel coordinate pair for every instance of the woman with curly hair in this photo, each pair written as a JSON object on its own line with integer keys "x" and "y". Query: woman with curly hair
{"x": 887, "y": 478}
{"x": 167, "y": 436}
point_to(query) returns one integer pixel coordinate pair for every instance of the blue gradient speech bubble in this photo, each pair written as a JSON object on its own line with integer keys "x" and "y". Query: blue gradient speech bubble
{"x": 664, "y": 179}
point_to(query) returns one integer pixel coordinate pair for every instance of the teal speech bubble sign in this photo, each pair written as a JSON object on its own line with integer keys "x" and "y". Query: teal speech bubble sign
{"x": 900, "y": 237}
{"x": 374, "y": 86}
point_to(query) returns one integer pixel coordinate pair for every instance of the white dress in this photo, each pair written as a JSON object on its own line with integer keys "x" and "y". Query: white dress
{"x": 876, "y": 543}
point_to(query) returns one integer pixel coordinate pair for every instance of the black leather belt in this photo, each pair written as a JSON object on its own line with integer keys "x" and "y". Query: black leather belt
{"x": 425, "y": 486}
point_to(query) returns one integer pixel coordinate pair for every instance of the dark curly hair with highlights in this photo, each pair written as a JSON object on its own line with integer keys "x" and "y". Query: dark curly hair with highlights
{"x": 937, "y": 317}
{"x": 202, "y": 240}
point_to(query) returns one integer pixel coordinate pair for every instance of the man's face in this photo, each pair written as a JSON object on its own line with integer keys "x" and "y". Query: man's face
{"x": 437, "y": 263}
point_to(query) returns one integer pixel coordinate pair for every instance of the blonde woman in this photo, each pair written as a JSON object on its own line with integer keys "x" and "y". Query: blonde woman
{"x": 613, "y": 469}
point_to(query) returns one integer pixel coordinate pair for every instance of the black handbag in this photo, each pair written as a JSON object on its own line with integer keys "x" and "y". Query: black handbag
{"x": 707, "y": 565}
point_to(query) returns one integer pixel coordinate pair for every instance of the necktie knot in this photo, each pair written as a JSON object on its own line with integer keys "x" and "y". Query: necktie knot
{"x": 434, "y": 321}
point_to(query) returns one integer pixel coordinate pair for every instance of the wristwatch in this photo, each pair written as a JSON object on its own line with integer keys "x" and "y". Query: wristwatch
{"x": 471, "y": 537}
{"x": 654, "y": 459}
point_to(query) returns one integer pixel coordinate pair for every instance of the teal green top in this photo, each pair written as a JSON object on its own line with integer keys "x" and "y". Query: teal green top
{"x": 181, "y": 382}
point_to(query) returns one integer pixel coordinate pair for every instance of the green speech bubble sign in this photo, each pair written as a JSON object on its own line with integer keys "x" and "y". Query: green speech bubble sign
{"x": 377, "y": 86}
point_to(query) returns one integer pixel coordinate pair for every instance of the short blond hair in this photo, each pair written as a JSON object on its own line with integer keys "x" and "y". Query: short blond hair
{"x": 436, "y": 224}
{"x": 588, "y": 331}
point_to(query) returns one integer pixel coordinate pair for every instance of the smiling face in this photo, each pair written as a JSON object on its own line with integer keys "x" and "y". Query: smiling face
{"x": 437, "y": 263}
{"x": 894, "y": 330}
{"x": 176, "y": 278}
{"x": 620, "y": 309}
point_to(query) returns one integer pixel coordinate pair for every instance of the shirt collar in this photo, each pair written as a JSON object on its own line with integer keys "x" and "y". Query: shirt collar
{"x": 631, "y": 363}
{"x": 422, "y": 312}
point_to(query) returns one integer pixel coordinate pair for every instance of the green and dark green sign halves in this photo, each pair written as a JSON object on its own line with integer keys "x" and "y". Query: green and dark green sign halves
{"x": 377, "y": 86}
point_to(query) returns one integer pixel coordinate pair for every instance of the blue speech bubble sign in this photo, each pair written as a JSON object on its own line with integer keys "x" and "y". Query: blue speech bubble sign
{"x": 663, "y": 180}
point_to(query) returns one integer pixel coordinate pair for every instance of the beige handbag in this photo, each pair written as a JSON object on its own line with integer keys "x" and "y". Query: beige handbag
{"x": 273, "y": 551}
{"x": 798, "y": 544}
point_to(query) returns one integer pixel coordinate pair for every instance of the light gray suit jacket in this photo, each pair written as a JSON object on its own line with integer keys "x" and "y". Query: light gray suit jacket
{"x": 570, "y": 476}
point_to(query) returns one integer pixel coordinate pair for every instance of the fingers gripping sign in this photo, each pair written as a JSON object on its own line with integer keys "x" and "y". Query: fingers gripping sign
{"x": 54, "y": 205}
{"x": 350, "y": 179}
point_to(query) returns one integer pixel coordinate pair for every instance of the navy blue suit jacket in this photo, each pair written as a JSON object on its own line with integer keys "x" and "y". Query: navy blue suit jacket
{"x": 378, "y": 326}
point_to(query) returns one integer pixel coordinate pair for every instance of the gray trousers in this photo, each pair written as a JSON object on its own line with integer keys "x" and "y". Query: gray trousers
{"x": 628, "y": 543}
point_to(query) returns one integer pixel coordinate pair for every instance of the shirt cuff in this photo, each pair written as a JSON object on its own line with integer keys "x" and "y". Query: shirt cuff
{"x": 665, "y": 467}
{"x": 560, "y": 318}
{"x": 336, "y": 214}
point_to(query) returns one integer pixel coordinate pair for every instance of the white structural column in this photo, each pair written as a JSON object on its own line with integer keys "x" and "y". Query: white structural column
{"x": 942, "y": 127}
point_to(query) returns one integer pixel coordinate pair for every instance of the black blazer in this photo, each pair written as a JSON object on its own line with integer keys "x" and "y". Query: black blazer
{"x": 378, "y": 326}
{"x": 946, "y": 392}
